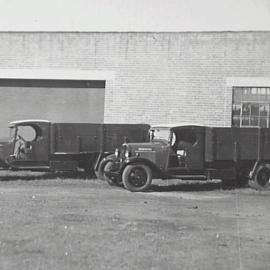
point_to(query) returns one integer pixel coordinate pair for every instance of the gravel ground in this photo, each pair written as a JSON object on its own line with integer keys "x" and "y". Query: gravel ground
{"x": 67, "y": 222}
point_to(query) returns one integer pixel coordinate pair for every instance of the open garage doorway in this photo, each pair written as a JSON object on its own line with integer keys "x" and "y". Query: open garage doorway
{"x": 53, "y": 100}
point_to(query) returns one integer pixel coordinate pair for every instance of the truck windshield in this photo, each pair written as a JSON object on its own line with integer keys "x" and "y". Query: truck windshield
{"x": 161, "y": 134}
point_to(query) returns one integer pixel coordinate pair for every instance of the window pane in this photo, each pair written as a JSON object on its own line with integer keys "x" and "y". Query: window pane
{"x": 27, "y": 133}
{"x": 263, "y": 122}
{"x": 236, "y": 109}
{"x": 253, "y": 91}
{"x": 264, "y": 109}
{"x": 246, "y": 91}
{"x": 236, "y": 121}
{"x": 254, "y": 109}
{"x": 254, "y": 121}
{"x": 245, "y": 121}
{"x": 246, "y": 109}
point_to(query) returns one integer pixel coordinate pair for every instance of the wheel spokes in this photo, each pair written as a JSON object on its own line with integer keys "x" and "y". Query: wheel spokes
{"x": 138, "y": 177}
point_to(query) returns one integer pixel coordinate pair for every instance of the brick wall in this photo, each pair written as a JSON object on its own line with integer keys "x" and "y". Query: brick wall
{"x": 158, "y": 77}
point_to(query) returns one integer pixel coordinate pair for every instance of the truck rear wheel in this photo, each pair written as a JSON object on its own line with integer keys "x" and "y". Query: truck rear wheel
{"x": 137, "y": 177}
{"x": 262, "y": 178}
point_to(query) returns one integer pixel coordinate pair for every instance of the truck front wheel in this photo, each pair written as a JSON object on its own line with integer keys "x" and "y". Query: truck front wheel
{"x": 137, "y": 177}
{"x": 262, "y": 178}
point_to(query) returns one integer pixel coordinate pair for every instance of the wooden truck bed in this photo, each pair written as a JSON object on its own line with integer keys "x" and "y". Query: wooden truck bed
{"x": 237, "y": 144}
{"x": 75, "y": 138}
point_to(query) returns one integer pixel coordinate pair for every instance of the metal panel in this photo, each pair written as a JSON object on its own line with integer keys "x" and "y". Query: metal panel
{"x": 237, "y": 143}
{"x": 76, "y": 138}
{"x": 247, "y": 139}
{"x": 266, "y": 143}
{"x": 223, "y": 144}
{"x": 209, "y": 145}
{"x": 116, "y": 134}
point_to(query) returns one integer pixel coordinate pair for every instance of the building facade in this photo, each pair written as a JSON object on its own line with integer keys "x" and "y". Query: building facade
{"x": 211, "y": 78}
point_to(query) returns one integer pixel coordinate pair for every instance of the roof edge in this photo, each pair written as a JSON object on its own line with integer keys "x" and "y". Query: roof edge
{"x": 28, "y": 121}
{"x": 133, "y": 32}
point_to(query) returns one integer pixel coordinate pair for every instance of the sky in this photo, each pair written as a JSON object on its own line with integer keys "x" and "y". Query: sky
{"x": 134, "y": 15}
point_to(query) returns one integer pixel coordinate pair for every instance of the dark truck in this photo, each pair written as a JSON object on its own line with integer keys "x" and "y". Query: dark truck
{"x": 41, "y": 145}
{"x": 193, "y": 152}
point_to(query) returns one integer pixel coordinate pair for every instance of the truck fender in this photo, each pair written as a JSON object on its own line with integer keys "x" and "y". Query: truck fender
{"x": 99, "y": 171}
{"x": 103, "y": 156}
{"x": 255, "y": 168}
{"x": 132, "y": 161}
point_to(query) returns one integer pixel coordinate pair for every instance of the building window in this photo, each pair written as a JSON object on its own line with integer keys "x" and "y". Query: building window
{"x": 251, "y": 107}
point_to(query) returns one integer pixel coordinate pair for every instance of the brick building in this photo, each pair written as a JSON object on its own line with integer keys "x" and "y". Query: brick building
{"x": 212, "y": 78}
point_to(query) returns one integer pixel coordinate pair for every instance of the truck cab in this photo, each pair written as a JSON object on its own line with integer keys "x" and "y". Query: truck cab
{"x": 186, "y": 148}
{"x": 28, "y": 145}
{"x": 174, "y": 151}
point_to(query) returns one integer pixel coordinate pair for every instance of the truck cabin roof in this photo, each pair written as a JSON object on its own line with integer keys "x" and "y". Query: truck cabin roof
{"x": 176, "y": 126}
{"x": 27, "y": 122}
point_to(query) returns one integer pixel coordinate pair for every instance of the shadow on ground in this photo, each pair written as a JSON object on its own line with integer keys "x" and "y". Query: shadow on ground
{"x": 186, "y": 187}
{"x": 30, "y": 175}
{"x": 194, "y": 186}
{"x": 157, "y": 186}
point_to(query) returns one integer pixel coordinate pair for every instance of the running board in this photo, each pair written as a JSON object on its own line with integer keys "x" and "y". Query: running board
{"x": 189, "y": 177}
{"x": 32, "y": 168}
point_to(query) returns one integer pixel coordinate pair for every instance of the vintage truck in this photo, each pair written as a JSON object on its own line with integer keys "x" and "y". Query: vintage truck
{"x": 45, "y": 146}
{"x": 193, "y": 152}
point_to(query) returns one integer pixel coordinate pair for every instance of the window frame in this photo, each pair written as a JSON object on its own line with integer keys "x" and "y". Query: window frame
{"x": 252, "y": 98}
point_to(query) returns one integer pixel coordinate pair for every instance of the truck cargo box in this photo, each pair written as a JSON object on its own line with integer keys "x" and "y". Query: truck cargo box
{"x": 237, "y": 144}
{"x": 74, "y": 138}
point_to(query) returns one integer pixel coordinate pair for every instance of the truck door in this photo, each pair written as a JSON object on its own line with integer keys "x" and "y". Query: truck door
{"x": 31, "y": 145}
{"x": 189, "y": 147}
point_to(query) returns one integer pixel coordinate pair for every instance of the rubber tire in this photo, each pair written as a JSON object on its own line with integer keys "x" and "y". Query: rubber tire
{"x": 126, "y": 178}
{"x": 100, "y": 172}
{"x": 111, "y": 181}
{"x": 257, "y": 183}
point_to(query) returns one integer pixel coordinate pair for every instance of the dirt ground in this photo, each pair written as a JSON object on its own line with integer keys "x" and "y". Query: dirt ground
{"x": 68, "y": 222}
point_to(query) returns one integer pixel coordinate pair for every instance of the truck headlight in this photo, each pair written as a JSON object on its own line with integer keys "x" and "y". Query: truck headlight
{"x": 117, "y": 152}
{"x": 127, "y": 153}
